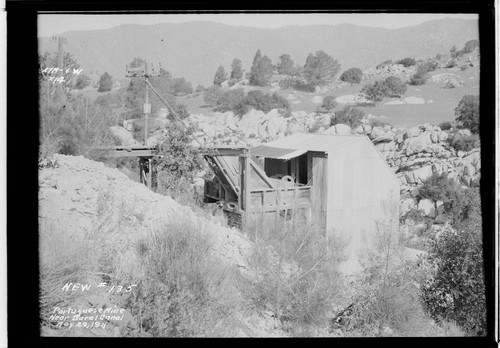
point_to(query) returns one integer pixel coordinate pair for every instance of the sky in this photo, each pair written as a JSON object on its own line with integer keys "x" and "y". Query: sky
{"x": 54, "y": 24}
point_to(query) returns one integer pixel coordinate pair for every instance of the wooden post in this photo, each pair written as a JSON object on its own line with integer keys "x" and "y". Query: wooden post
{"x": 150, "y": 173}
{"x": 244, "y": 197}
{"x": 147, "y": 107}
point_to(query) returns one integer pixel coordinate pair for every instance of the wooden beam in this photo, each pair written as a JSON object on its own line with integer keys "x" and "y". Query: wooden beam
{"x": 244, "y": 179}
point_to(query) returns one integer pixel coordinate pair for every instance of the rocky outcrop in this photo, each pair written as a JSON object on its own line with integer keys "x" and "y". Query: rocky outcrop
{"x": 389, "y": 70}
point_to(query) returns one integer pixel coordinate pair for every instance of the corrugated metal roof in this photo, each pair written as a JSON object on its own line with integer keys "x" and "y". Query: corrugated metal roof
{"x": 309, "y": 142}
{"x": 277, "y": 153}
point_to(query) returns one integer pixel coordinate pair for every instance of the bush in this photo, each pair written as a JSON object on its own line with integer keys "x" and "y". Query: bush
{"x": 178, "y": 157}
{"x": 407, "y": 62}
{"x": 304, "y": 86}
{"x": 329, "y": 103}
{"x": 376, "y": 92}
{"x": 456, "y": 291}
{"x": 199, "y": 88}
{"x": 212, "y": 95}
{"x": 470, "y": 46}
{"x": 287, "y": 82}
{"x": 181, "y": 86}
{"x": 349, "y": 116}
{"x": 353, "y": 75}
{"x": 265, "y": 102}
{"x": 420, "y": 77}
{"x": 75, "y": 128}
{"x": 467, "y": 112}
{"x": 395, "y": 85}
{"x": 439, "y": 188}
{"x": 451, "y": 63}
{"x": 445, "y": 125}
{"x": 464, "y": 142}
{"x": 295, "y": 272}
{"x": 384, "y": 64}
{"x": 465, "y": 206}
{"x": 82, "y": 81}
{"x": 384, "y": 298}
{"x": 184, "y": 291}
{"x": 231, "y": 100}
{"x": 464, "y": 67}
{"x": 417, "y": 80}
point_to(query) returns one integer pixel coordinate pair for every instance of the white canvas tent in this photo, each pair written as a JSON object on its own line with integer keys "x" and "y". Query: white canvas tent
{"x": 355, "y": 195}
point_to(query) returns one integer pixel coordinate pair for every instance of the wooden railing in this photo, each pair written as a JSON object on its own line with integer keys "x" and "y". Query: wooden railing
{"x": 268, "y": 200}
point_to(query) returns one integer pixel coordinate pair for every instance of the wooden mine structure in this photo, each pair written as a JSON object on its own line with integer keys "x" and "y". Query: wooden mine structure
{"x": 244, "y": 190}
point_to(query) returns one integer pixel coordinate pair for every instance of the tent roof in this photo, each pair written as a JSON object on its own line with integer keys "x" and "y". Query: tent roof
{"x": 299, "y": 143}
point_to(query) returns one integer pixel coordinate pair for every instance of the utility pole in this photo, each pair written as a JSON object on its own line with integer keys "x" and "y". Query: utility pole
{"x": 147, "y": 106}
{"x": 60, "y": 64}
{"x": 144, "y": 163}
{"x": 142, "y": 71}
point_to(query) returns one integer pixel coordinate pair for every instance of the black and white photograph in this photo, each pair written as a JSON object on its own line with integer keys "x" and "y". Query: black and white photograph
{"x": 261, "y": 175}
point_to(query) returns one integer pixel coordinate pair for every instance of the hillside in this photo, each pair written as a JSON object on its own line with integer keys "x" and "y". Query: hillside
{"x": 194, "y": 50}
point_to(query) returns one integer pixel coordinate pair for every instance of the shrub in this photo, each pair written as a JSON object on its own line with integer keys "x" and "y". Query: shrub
{"x": 465, "y": 206}
{"x": 406, "y": 62}
{"x": 82, "y": 81}
{"x": 353, "y": 75}
{"x": 184, "y": 291}
{"x": 445, "y": 125}
{"x": 417, "y": 80}
{"x": 212, "y": 94}
{"x": 287, "y": 82}
{"x": 467, "y": 112}
{"x": 439, "y": 188}
{"x": 384, "y": 64}
{"x": 295, "y": 272}
{"x": 456, "y": 291}
{"x": 75, "y": 128}
{"x": 329, "y": 103}
{"x": 464, "y": 142}
{"x": 199, "y": 88}
{"x": 384, "y": 298}
{"x": 464, "y": 67}
{"x": 451, "y": 63}
{"x": 420, "y": 77}
{"x": 304, "y": 86}
{"x": 470, "y": 46}
{"x": 395, "y": 86}
{"x": 178, "y": 157}
{"x": 231, "y": 100}
{"x": 349, "y": 116}
{"x": 181, "y": 86}
{"x": 375, "y": 92}
{"x": 265, "y": 102}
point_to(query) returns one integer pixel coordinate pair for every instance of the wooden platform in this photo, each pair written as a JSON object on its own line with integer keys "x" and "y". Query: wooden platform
{"x": 127, "y": 151}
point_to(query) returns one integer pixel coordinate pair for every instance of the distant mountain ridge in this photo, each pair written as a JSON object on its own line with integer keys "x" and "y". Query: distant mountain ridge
{"x": 194, "y": 50}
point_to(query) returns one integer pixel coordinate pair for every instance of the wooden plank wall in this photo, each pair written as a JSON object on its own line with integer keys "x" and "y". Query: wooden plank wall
{"x": 320, "y": 189}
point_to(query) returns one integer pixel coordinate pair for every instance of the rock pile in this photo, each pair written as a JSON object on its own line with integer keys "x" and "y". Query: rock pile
{"x": 419, "y": 152}
{"x": 389, "y": 70}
